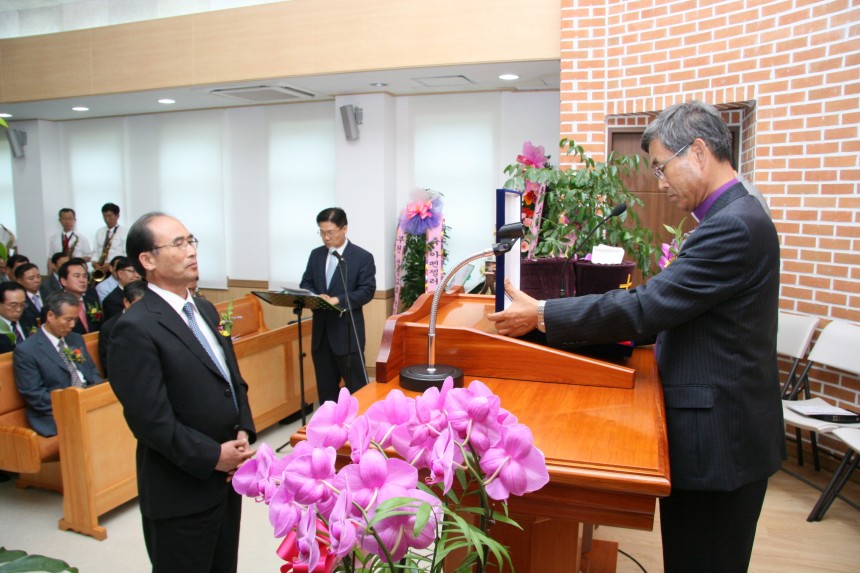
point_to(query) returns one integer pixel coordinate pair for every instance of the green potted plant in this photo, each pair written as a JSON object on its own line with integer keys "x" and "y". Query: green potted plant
{"x": 561, "y": 206}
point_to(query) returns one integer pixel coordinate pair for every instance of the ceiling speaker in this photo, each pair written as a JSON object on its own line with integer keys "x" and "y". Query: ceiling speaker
{"x": 17, "y": 141}
{"x": 350, "y": 117}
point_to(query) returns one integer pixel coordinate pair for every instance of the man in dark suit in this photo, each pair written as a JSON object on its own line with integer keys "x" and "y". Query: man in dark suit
{"x": 75, "y": 279}
{"x": 14, "y": 329}
{"x": 124, "y": 271}
{"x": 132, "y": 293}
{"x": 28, "y": 276}
{"x": 186, "y": 403}
{"x": 52, "y": 282}
{"x": 338, "y": 338}
{"x": 53, "y": 358}
{"x": 715, "y": 312}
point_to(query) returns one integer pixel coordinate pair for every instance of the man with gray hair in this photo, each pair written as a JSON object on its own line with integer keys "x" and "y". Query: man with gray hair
{"x": 714, "y": 311}
{"x": 51, "y": 359}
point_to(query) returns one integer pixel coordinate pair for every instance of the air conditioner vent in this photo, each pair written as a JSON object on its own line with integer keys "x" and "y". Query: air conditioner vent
{"x": 263, "y": 94}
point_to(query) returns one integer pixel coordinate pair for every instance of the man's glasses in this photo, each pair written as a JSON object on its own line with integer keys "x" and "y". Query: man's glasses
{"x": 15, "y": 305}
{"x": 182, "y": 244}
{"x": 658, "y": 171}
{"x": 330, "y": 234}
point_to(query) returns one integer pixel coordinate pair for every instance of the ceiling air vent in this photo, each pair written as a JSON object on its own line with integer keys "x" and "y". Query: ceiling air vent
{"x": 263, "y": 94}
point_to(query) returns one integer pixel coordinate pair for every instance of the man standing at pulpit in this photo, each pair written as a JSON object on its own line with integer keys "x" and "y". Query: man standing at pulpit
{"x": 343, "y": 274}
{"x": 714, "y": 311}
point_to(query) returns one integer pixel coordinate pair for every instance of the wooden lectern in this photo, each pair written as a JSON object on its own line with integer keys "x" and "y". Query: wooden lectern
{"x": 601, "y": 427}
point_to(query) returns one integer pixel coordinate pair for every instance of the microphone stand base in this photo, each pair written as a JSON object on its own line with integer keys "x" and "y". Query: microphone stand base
{"x": 418, "y": 379}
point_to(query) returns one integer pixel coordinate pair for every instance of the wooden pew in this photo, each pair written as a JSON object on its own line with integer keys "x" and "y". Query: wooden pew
{"x": 97, "y": 456}
{"x": 269, "y": 362}
{"x": 22, "y": 450}
{"x": 91, "y": 341}
{"x": 248, "y": 316}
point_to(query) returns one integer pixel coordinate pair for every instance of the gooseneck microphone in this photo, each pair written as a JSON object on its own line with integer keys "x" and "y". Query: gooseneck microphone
{"x": 343, "y": 273}
{"x": 562, "y": 290}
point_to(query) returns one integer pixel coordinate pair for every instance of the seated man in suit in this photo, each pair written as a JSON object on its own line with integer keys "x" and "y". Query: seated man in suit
{"x": 342, "y": 274}
{"x": 132, "y": 293}
{"x": 53, "y": 358}
{"x": 12, "y": 330}
{"x": 124, "y": 271}
{"x": 75, "y": 279}
{"x": 12, "y": 263}
{"x": 29, "y": 277}
{"x": 52, "y": 284}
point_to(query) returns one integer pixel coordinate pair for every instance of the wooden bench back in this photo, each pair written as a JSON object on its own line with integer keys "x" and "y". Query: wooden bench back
{"x": 11, "y": 403}
{"x": 248, "y": 316}
{"x": 91, "y": 340}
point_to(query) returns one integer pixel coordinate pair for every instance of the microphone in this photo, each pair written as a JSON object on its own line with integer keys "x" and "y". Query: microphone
{"x": 619, "y": 209}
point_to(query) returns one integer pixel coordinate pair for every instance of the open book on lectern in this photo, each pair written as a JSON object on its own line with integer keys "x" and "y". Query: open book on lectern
{"x": 297, "y": 298}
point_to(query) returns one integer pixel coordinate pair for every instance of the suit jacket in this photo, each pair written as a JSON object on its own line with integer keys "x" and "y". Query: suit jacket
{"x": 112, "y": 304}
{"x": 715, "y": 309}
{"x": 361, "y": 281}
{"x": 52, "y": 284}
{"x": 32, "y": 315}
{"x": 177, "y": 404}
{"x": 104, "y": 340}
{"x": 39, "y": 369}
{"x": 6, "y": 343}
{"x": 95, "y": 318}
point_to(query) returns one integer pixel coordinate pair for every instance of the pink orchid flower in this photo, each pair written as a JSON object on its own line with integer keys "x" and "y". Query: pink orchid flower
{"x": 341, "y": 527}
{"x": 533, "y": 156}
{"x": 252, "y": 478}
{"x": 309, "y": 477}
{"x": 330, "y": 425}
{"x": 374, "y": 471}
{"x": 397, "y": 532}
{"x": 514, "y": 465}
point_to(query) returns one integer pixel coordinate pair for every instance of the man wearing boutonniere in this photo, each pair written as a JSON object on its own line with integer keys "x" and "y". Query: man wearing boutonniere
{"x": 714, "y": 311}
{"x": 53, "y": 358}
{"x": 12, "y": 304}
{"x": 186, "y": 403}
{"x": 74, "y": 279}
{"x": 342, "y": 274}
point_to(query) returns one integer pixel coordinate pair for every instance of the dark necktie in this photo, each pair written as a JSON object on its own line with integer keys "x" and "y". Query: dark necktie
{"x": 70, "y": 366}
{"x": 18, "y": 337}
{"x": 188, "y": 309}
{"x": 65, "y": 243}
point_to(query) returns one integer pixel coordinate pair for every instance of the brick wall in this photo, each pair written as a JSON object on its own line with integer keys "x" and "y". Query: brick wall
{"x": 791, "y": 69}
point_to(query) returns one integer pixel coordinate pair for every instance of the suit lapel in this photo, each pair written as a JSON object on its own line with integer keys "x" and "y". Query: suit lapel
{"x": 50, "y": 351}
{"x": 170, "y": 320}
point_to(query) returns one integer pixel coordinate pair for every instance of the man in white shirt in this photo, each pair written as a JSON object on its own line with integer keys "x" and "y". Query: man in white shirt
{"x": 68, "y": 241}
{"x": 110, "y": 240}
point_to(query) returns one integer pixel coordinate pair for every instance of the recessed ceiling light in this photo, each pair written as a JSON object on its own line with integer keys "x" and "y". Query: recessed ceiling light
{"x": 4, "y": 115}
{"x": 379, "y": 84}
{"x": 167, "y": 101}
{"x": 509, "y": 77}
{"x": 80, "y": 108}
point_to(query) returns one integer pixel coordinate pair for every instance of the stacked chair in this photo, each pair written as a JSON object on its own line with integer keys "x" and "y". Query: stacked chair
{"x": 837, "y": 347}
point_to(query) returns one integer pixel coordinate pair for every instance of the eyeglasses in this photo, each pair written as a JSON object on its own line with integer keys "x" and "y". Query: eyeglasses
{"x": 15, "y": 304}
{"x": 330, "y": 234}
{"x": 182, "y": 244}
{"x": 658, "y": 171}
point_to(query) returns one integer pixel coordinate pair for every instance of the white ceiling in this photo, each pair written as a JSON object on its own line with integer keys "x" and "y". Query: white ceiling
{"x": 539, "y": 75}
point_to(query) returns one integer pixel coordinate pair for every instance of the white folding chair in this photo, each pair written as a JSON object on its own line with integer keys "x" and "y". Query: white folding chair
{"x": 851, "y": 438}
{"x": 793, "y": 335}
{"x": 837, "y": 347}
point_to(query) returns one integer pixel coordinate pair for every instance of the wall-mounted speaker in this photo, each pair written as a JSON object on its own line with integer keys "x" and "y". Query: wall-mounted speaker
{"x": 350, "y": 117}
{"x": 17, "y": 141}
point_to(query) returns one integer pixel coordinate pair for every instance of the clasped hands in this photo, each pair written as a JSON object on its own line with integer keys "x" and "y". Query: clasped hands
{"x": 520, "y": 317}
{"x": 234, "y": 453}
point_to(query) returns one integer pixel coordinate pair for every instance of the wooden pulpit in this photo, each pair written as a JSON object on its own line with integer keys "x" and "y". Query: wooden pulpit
{"x": 601, "y": 427}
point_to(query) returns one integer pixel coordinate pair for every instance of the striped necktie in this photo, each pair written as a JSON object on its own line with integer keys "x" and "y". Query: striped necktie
{"x": 188, "y": 309}
{"x": 75, "y": 377}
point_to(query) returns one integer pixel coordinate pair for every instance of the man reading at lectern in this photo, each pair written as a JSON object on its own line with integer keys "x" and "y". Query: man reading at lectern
{"x": 342, "y": 274}
{"x": 714, "y": 310}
